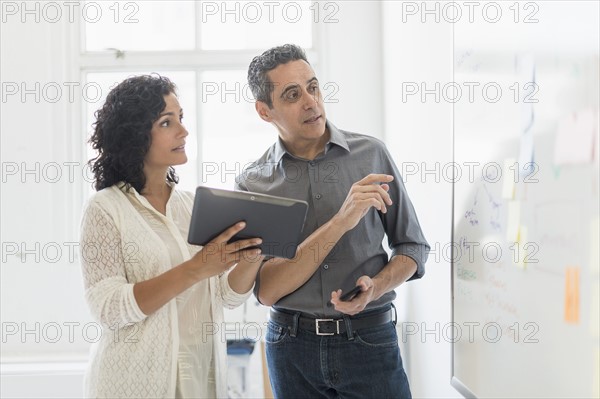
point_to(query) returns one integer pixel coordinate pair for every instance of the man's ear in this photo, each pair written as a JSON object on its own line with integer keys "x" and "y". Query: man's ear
{"x": 263, "y": 111}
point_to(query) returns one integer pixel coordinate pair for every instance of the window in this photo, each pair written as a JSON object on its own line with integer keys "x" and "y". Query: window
{"x": 139, "y": 26}
{"x": 204, "y": 48}
{"x": 229, "y": 144}
{"x": 197, "y": 25}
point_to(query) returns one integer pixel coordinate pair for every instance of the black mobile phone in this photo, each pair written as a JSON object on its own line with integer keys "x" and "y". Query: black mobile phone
{"x": 348, "y": 296}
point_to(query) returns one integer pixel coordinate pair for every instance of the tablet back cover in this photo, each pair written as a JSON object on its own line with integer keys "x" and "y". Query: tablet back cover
{"x": 278, "y": 221}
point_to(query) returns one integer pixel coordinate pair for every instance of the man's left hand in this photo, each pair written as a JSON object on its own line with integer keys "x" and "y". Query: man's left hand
{"x": 359, "y": 302}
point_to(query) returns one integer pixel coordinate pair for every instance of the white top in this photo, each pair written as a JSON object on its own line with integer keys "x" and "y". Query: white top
{"x": 175, "y": 352}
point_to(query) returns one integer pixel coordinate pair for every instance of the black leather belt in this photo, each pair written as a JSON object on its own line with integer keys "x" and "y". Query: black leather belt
{"x": 332, "y": 326}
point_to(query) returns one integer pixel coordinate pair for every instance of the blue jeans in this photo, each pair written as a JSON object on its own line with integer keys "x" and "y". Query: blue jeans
{"x": 312, "y": 366}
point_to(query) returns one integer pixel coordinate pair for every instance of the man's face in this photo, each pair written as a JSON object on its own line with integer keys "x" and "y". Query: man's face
{"x": 297, "y": 111}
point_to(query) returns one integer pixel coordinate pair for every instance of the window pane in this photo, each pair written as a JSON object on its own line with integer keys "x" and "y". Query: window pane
{"x": 233, "y": 133}
{"x": 102, "y": 82}
{"x": 139, "y": 25}
{"x": 234, "y": 25}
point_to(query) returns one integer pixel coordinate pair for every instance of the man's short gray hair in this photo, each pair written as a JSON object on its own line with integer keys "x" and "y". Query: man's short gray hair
{"x": 259, "y": 82}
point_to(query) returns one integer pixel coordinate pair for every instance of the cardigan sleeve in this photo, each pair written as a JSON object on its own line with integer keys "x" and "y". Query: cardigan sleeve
{"x": 231, "y": 299}
{"x": 108, "y": 292}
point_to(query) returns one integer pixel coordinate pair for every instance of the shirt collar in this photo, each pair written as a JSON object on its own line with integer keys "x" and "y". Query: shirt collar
{"x": 335, "y": 137}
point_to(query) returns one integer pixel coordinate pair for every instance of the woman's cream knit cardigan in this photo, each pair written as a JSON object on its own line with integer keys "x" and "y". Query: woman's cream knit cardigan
{"x": 136, "y": 355}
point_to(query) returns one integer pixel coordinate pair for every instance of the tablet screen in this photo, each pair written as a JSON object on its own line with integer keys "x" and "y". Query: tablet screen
{"x": 278, "y": 221}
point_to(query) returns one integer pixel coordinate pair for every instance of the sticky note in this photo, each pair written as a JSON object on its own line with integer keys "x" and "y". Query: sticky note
{"x": 572, "y": 294}
{"x": 521, "y": 257}
{"x": 574, "y": 143}
{"x": 513, "y": 219}
{"x": 510, "y": 174}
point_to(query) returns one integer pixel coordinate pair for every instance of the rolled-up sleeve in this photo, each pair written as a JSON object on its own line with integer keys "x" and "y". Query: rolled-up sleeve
{"x": 402, "y": 227}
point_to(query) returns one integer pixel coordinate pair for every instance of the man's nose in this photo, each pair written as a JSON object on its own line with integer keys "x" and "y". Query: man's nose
{"x": 310, "y": 100}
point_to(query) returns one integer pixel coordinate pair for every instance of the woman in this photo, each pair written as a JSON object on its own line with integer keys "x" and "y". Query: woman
{"x": 159, "y": 299}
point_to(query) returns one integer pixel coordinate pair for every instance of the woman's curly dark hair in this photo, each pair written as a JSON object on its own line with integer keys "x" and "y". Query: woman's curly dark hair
{"x": 122, "y": 131}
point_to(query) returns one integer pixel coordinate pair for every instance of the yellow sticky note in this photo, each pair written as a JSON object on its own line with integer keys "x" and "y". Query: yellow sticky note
{"x": 572, "y": 294}
{"x": 521, "y": 258}
{"x": 513, "y": 219}
{"x": 510, "y": 173}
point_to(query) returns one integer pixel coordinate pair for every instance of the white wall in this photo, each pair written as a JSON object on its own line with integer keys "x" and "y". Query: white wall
{"x": 43, "y": 290}
{"x": 352, "y": 60}
{"x": 37, "y": 192}
{"x": 419, "y": 136}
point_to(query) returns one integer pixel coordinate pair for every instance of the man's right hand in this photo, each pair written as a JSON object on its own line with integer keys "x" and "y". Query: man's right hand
{"x": 371, "y": 191}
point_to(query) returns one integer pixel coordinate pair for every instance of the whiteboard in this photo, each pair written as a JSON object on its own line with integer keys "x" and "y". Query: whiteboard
{"x": 525, "y": 278}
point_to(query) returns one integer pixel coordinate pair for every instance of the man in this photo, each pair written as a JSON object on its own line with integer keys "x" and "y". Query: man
{"x": 317, "y": 344}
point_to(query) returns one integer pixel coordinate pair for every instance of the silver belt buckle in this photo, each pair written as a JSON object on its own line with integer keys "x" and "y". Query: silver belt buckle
{"x": 337, "y": 326}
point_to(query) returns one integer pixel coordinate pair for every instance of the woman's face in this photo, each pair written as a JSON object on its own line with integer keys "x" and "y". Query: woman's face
{"x": 168, "y": 137}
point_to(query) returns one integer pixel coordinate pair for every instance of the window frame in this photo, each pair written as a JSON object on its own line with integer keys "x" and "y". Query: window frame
{"x": 198, "y": 61}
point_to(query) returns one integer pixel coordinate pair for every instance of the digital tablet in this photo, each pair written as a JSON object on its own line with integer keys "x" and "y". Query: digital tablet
{"x": 277, "y": 221}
